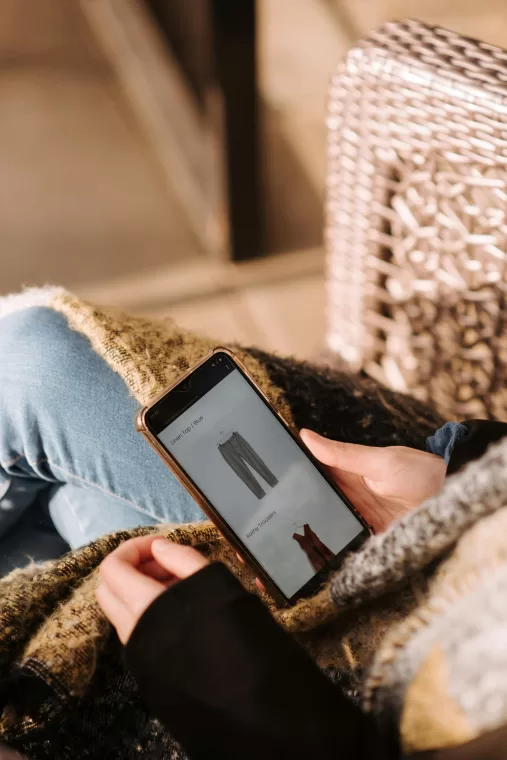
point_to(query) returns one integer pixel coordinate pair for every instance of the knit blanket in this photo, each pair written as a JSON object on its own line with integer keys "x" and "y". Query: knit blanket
{"x": 412, "y": 625}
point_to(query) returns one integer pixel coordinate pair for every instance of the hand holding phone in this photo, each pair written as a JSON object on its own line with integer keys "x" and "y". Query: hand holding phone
{"x": 385, "y": 482}
{"x": 253, "y": 476}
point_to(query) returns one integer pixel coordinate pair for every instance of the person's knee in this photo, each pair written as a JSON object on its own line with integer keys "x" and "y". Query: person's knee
{"x": 53, "y": 386}
{"x": 36, "y": 346}
{"x": 51, "y": 376}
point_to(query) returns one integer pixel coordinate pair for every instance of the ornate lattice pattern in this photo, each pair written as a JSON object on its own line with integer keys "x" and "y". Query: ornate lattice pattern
{"x": 416, "y": 216}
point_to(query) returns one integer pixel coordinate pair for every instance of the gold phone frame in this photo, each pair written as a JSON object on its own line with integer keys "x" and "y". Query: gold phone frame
{"x": 202, "y": 501}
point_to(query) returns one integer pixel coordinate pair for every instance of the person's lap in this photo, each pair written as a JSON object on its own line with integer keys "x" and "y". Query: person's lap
{"x": 67, "y": 434}
{"x": 67, "y": 437}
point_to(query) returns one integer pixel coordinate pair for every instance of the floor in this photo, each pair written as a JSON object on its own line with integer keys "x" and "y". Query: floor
{"x": 276, "y": 303}
{"x": 82, "y": 198}
{"x": 84, "y": 201}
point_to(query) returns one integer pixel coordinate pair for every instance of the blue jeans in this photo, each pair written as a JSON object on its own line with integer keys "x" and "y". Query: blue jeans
{"x": 443, "y": 441}
{"x": 67, "y": 437}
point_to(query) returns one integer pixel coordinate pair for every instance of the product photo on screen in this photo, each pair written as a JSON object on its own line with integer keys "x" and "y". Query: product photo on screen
{"x": 238, "y": 453}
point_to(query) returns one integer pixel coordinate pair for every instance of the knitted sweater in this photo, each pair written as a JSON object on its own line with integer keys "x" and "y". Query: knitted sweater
{"x": 66, "y": 691}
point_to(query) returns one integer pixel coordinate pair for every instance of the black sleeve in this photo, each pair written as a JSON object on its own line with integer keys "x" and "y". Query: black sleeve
{"x": 228, "y": 682}
{"x": 480, "y": 433}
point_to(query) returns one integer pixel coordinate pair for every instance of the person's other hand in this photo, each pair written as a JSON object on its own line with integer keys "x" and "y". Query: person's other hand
{"x": 136, "y": 573}
{"x": 382, "y": 483}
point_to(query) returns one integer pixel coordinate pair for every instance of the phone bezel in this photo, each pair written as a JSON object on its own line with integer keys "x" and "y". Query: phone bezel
{"x": 144, "y": 428}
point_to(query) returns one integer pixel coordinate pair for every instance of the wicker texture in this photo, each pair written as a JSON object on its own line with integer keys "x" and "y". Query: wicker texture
{"x": 416, "y": 216}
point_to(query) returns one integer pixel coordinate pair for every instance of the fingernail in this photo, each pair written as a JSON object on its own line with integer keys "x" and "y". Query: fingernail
{"x": 309, "y": 435}
{"x": 160, "y": 544}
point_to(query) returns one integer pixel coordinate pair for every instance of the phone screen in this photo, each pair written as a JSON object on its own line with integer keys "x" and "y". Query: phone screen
{"x": 251, "y": 469}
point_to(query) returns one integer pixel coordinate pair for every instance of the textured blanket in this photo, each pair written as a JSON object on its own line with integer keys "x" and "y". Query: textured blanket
{"x": 385, "y": 627}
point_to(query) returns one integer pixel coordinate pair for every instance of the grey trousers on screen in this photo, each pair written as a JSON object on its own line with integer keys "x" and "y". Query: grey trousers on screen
{"x": 238, "y": 454}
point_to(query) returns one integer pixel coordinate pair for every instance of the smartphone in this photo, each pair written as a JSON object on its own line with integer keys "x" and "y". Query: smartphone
{"x": 253, "y": 476}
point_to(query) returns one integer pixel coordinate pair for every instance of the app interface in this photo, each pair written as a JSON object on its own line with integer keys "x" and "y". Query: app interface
{"x": 271, "y": 495}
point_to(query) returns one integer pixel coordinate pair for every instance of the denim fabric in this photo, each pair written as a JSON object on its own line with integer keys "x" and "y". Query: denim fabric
{"x": 442, "y": 442}
{"x": 67, "y": 434}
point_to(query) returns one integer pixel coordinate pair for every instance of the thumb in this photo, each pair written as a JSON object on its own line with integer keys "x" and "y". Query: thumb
{"x": 368, "y": 461}
{"x": 177, "y": 559}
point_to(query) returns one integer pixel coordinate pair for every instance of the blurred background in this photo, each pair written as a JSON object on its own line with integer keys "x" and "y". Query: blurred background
{"x": 168, "y": 156}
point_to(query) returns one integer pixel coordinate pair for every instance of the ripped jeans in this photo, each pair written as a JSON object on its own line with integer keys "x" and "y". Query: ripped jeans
{"x": 67, "y": 436}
